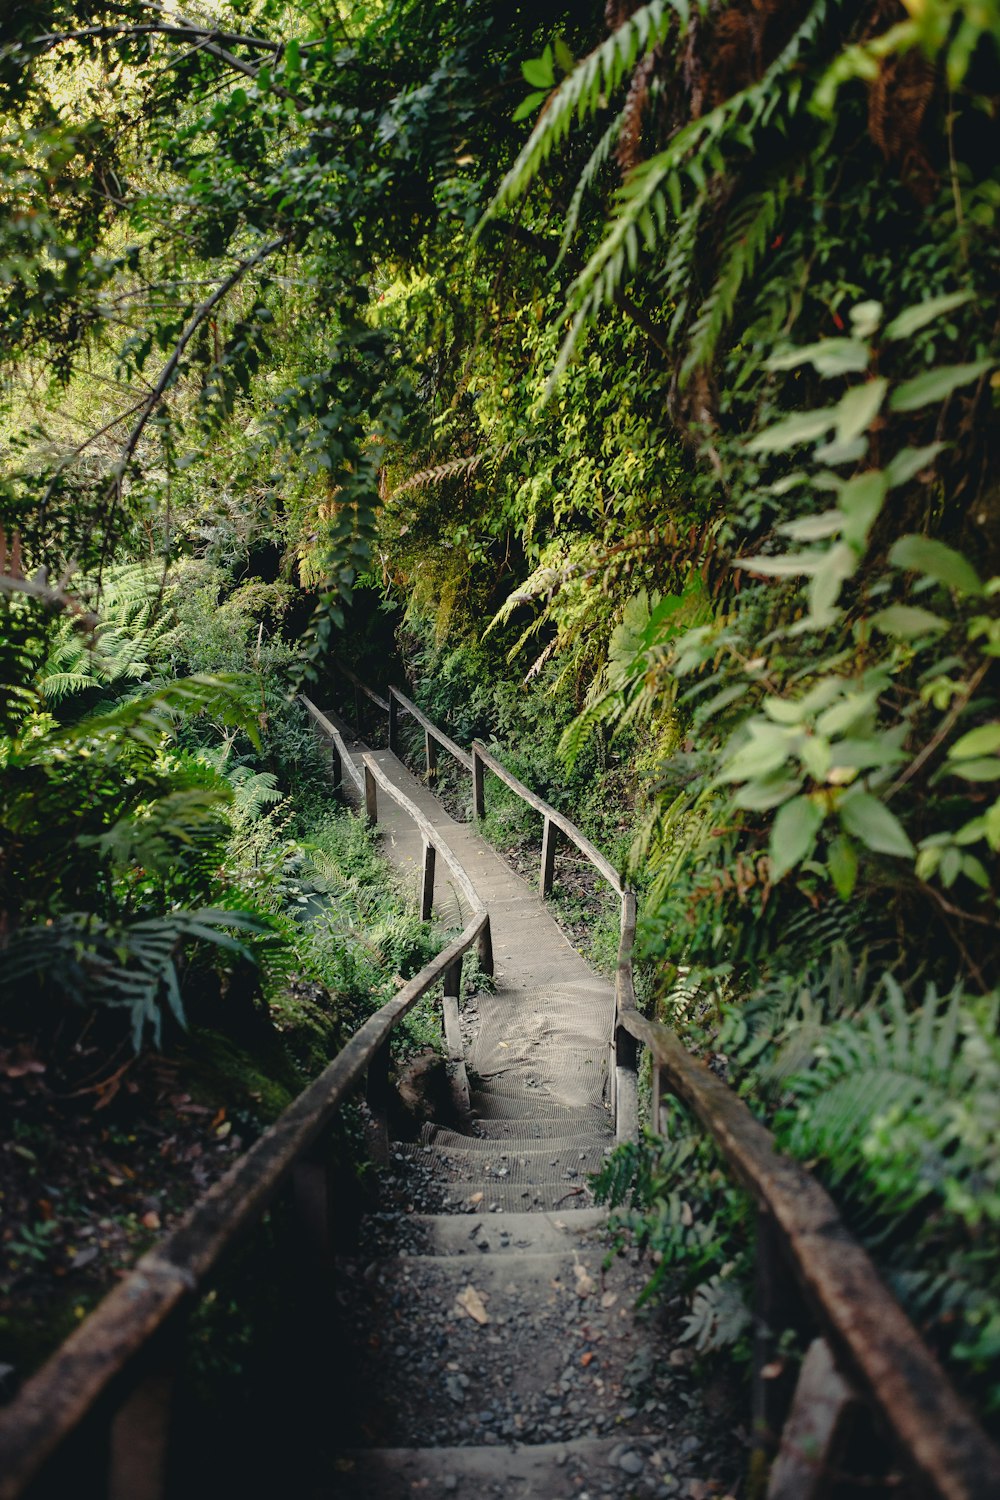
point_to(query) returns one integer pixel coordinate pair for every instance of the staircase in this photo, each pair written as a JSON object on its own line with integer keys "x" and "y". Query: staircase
{"x": 492, "y": 1351}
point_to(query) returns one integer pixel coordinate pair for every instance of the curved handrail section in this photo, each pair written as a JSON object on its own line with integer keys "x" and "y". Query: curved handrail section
{"x": 342, "y": 758}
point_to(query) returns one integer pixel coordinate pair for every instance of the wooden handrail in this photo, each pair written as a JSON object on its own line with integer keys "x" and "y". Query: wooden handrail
{"x": 344, "y": 759}
{"x": 597, "y": 859}
{"x": 363, "y": 687}
{"x": 870, "y": 1334}
{"x": 462, "y": 756}
{"x": 431, "y": 834}
{"x": 103, "y": 1350}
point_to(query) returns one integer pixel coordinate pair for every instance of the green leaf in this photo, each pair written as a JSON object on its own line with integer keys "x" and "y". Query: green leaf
{"x": 791, "y": 565}
{"x": 977, "y": 770}
{"x": 828, "y": 357}
{"x": 564, "y": 56}
{"x": 767, "y": 792}
{"x": 865, "y": 318}
{"x": 842, "y": 862}
{"x": 907, "y": 621}
{"x": 835, "y": 567}
{"x": 529, "y": 105}
{"x": 861, "y": 500}
{"x": 935, "y": 385}
{"x": 872, "y": 822}
{"x": 982, "y": 741}
{"x": 813, "y": 528}
{"x": 539, "y": 72}
{"x": 763, "y": 753}
{"x": 793, "y": 835}
{"x": 922, "y": 554}
{"x": 908, "y": 463}
{"x": 857, "y": 408}
{"x": 801, "y": 427}
{"x": 922, "y": 313}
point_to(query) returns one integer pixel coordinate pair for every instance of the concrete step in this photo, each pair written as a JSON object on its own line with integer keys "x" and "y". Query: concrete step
{"x": 523, "y": 1347}
{"x": 509, "y": 1234}
{"x": 594, "y": 1122}
{"x": 514, "y": 1145}
{"x": 543, "y": 1471}
{"x": 505, "y": 1181}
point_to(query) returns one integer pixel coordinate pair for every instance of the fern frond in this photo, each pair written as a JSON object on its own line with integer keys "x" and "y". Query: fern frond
{"x": 687, "y": 161}
{"x": 581, "y": 92}
{"x": 749, "y": 231}
{"x": 594, "y": 163}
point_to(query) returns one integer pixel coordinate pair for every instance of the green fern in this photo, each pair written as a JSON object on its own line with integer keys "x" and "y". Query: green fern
{"x": 583, "y": 92}
{"x": 131, "y": 965}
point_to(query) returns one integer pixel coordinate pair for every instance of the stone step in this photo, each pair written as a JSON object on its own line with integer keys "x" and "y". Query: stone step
{"x": 528, "y": 1106}
{"x": 594, "y": 1122}
{"x": 509, "y": 1234}
{"x": 562, "y": 1352}
{"x": 506, "y": 1145}
{"x": 465, "y": 1179}
{"x": 613, "y": 1467}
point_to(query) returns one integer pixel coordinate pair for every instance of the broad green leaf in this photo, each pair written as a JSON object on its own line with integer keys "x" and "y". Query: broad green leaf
{"x": 801, "y": 427}
{"x": 864, "y": 753}
{"x": 918, "y": 316}
{"x": 950, "y": 867}
{"x": 828, "y": 357}
{"x": 766, "y": 792}
{"x": 857, "y": 408}
{"x": 865, "y": 318}
{"x": 782, "y": 710}
{"x": 922, "y": 554}
{"x": 907, "y": 621}
{"x": 539, "y": 72}
{"x": 908, "y": 463}
{"x": 861, "y": 500}
{"x": 813, "y": 528}
{"x": 791, "y": 565}
{"x": 564, "y": 56}
{"x": 529, "y": 105}
{"x": 793, "y": 835}
{"x": 982, "y": 741}
{"x": 842, "y": 862}
{"x": 815, "y": 755}
{"x": 987, "y": 769}
{"x": 974, "y": 870}
{"x": 935, "y": 385}
{"x": 835, "y": 567}
{"x": 871, "y": 821}
{"x": 852, "y": 711}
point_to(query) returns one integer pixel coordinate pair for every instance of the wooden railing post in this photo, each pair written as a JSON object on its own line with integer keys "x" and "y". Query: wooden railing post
{"x": 656, "y": 1100}
{"x": 548, "y": 857}
{"x": 431, "y": 755}
{"x": 139, "y": 1437}
{"x": 377, "y": 1094}
{"x": 453, "y": 979}
{"x": 371, "y": 798}
{"x": 393, "y": 721}
{"x": 312, "y": 1194}
{"x": 427, "y": 883}
{"x": 478, "y": 789}
{"x": 626, "y": 1086}
{"x": 486, "y": 949}
{"x": 774, "y": 1310}
{"x": 336, "y": 768}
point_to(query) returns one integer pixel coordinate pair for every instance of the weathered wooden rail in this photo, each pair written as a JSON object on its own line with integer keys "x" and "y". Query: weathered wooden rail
{"x": 868, "y": 1353}
{"x": 102, "y": 1373}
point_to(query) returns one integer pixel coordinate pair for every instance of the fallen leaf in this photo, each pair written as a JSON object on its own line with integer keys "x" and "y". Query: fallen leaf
{"x": 476, "y": 1198}
{"x": 151, "y": 1220}
{"x": 223, "y": 1130}
{"x": 470, "y": 1302}
{"x": 584, "y": 1282}
{"x": 773, "y": 1370}
{"x": 585, "y": 1359}
{"x": 609, "y": 1299}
